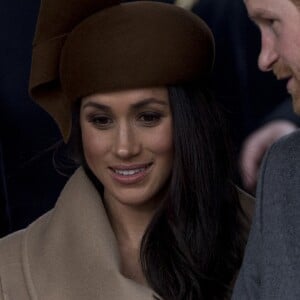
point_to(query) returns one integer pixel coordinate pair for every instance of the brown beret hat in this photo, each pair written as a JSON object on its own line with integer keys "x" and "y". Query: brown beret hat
{"x": 85, "y": 47}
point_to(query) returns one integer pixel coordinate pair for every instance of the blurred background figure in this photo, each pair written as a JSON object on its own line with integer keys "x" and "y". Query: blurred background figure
{"x": 256, "y": 106}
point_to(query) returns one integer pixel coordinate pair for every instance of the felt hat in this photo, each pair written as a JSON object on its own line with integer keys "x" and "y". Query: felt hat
{"x": 85, "y": 47}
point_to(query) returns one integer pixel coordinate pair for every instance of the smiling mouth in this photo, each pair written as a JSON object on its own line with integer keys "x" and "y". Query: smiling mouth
{"x": 130, "y": 175}
{"x": 130, "y": 170}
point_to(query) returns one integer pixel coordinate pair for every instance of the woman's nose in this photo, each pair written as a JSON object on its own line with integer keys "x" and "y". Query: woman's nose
{"x": 268, "y": 54}
{"x": 126, "y": 144}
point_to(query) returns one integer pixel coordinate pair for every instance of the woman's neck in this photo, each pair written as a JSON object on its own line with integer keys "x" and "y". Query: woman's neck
{"x": 129, "y": 223}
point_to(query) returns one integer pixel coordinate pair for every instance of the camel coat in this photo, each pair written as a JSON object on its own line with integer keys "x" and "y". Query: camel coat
{"x": 70, "y": 253}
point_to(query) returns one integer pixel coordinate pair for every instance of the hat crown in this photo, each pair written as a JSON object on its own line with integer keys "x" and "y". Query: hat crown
{"x": 135, "y": 45}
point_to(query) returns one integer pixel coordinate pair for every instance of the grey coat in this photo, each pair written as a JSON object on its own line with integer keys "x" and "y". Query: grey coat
{"x": 271, "y": 267}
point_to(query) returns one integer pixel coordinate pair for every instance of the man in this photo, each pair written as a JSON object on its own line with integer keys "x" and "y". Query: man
{"x": 271, "y": 267}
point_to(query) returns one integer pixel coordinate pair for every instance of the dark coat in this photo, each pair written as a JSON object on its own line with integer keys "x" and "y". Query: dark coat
{"x": 271, "y": 267}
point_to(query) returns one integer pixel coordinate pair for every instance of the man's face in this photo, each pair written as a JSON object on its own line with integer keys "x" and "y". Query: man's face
{"x": 279, "y": 24}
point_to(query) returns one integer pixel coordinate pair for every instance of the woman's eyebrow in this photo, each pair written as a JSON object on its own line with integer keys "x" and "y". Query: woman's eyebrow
{"x": 148, "y": 101}
{"x": 134, "y": 106}
{"x": 97, "y": 105}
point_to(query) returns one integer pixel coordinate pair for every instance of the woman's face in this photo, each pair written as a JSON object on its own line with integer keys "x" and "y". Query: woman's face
{"x": 128, "y": 144}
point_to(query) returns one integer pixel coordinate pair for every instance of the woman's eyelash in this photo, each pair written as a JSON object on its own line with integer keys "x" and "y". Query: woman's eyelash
{"x": 100, "y": 120}
{"x": 150, "y": 117}
{"x": 144, "y": 118}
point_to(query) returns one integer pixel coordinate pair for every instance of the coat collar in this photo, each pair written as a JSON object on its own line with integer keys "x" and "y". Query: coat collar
{"x": 71, "y": 252}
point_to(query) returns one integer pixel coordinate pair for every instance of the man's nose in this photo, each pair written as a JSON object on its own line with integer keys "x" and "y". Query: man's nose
{"x": 268, "y": 54}
{"x": 126, "y": 144}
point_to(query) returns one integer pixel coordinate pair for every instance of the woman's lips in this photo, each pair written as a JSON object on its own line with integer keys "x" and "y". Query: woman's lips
{"x": 130, "y": 174}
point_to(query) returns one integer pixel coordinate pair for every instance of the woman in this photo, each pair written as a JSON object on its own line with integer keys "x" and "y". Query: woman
{"x": 154, "y": 212}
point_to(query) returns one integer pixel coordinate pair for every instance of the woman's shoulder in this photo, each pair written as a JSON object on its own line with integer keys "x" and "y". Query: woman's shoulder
{"x": 13, "y": 260}
{"x": 11, "y": 277}
{"x": 13, "y": 243}
{"x": 9, "y": 247}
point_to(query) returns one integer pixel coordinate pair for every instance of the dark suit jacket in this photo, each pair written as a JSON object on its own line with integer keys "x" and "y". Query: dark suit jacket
{"x": 271, "y": 267}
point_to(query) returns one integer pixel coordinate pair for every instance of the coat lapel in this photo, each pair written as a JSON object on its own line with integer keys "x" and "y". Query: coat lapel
{"x": 71, "y": 252}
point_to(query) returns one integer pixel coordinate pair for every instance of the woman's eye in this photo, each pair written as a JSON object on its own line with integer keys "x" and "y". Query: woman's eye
{"x": 101, "y": 121}
{"x": 150, "y": 118}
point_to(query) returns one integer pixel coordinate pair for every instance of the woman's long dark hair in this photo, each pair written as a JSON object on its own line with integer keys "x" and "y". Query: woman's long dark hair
{"x": 193, "y": 247}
